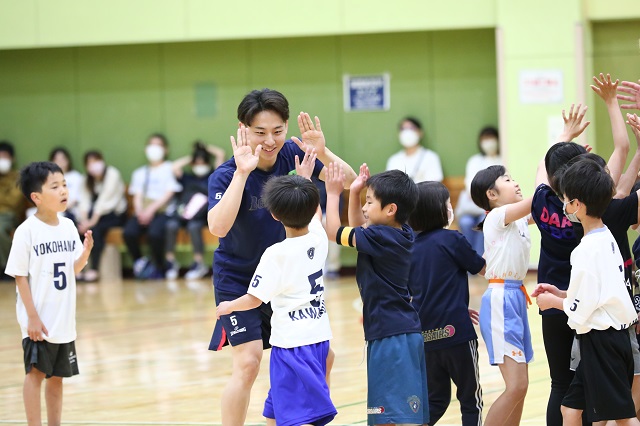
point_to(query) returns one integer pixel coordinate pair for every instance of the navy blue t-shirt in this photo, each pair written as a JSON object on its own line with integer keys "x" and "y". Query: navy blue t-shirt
{"x": 254, "y": 229}
{"x": 382, "y": 274}
{"x": 440, "y": 286}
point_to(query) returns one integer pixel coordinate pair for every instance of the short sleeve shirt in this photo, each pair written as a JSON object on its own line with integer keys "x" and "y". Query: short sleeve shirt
{"x": 506, "y": 246}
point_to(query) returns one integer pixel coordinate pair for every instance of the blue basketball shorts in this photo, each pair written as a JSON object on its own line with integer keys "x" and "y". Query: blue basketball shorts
{"x": 504, "y": 323}
{"x": 299, "y": 392}
{"x": 397, "y": 380}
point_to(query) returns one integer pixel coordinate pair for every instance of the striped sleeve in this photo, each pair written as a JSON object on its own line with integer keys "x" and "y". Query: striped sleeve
{"x": 344, "y": 236}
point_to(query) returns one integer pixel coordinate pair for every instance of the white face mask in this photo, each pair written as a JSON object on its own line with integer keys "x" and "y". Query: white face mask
{"x": 154, "y": 153}
{"x": 489, "y": 146}
{"x": 409, "y": 138}
{"x": 201, "y": 170}
{"x": 5, "y": 165}
{"x": 450, "y": 216}
{"x": 96, "y": 168}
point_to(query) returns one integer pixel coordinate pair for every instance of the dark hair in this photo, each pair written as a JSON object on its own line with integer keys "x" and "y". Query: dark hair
{"x": 257, "y": 101}
{"x": 200, "y": 152}
{"x": 587, "y": 156}
{"x": 413, "y": 121}
{"x": 558, "y": 156}
{"x": 90, "y": 182}
{"x": 34, "y": 175}
{"x": 161, "y": 136}
{"x": 483, "y": 181}
{"x": 6, "y": 146}
{"x": 431, "y": 207}
{"x": 395, "y": 186}
{"x": 292, "y": 199}
{"x": 590, "y": 183}
{"x": 488, "y": 131}
{"x": 61, "y": 150}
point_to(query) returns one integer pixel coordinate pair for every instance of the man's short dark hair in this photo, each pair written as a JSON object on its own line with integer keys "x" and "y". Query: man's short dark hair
{"x": 557, "y": 157}
{"x": 257, "y": 101}
{"x": 431, "y": 208}
{"x": 34, "y": 175}
{"x": 292, "y": 199}
{"x": 6, "y": 146}
{"x": 395, "y": 186}
{"x": 587, "y": 181}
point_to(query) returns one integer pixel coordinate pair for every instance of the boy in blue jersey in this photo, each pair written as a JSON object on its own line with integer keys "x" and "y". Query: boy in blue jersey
{"x": 237, "y": 215}
{"x": 396, "y": 371}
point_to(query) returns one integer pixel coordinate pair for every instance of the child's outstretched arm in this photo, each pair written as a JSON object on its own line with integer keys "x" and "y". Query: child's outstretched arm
{"x": 86, "y": 251}
{"x": 35, "y": 328}
{"x": 629, "y": 177}
{"x": 313, "y": 136}
{"x": 632, "y": 89}
{"x": 244, "y": 303}
{"x": 517, "y": 210}
{"x": 606, "y": 89}
{"x": 548, "y": 296}
{"x": 356, "y": 217}
{"x": 334, "y": 184}
{"x": 305, "y": 169}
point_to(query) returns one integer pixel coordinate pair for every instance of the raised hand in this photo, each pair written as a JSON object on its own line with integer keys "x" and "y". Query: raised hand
{"x": 605, "y": 88}
{"x": 632, "y": 89}
{"x": 361, "y": 180}
{"x": 573, "y": 125}
{"x": 305, "y": 169}
{"x": 335, "y": 178}
{"x": 88, "y": 241}
{"x": 311, "y": 134}
{"x": 246, "y": 160}
{"x": 634, "y": 122}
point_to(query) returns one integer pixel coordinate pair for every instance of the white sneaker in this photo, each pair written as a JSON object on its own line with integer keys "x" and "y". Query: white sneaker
{"x": 139, "y": 266}
{"x": 197, "y": 271}
{"x": 173, "y": 271}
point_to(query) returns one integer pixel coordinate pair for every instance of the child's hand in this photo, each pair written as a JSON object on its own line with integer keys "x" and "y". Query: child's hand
{"x": 634, "y": 122}
{"x": 474, "y": 315}
{"x": 544, "y": 301}
{"x": 246, "y": 160}
{"x": 311, "y": 135}
{"x": 88, "y": 241}
{"x": 335, "y": 178}
{"x": 36, "y": 329}
{"x": 573, "y": 125}
{"x": 605, "y": 88}
{"x": 361, "y": 180}
{"x": 224, "y": 308}
{"x": 634, "y": 90}
{"x": 546, "y": 288}
{"x": 305, "y": 169}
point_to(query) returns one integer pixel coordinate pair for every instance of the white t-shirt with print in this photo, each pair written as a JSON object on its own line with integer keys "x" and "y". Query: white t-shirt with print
{"x": 289, "y": 276}
{"x": 597, "y": 297}
{"x": 45, "y": 254}
{"x": 506, "y": 247}
{"x": 421, "y": 166}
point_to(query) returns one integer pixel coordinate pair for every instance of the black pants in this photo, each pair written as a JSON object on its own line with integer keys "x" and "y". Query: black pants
{"x": 99, "y": 231}
{"x": 460, "y": 364}
{"x": 133, "y": 230}
{"x": 558, "y": 338}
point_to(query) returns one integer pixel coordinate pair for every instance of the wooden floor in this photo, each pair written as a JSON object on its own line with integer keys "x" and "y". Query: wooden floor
{"x": 142, "y": 350}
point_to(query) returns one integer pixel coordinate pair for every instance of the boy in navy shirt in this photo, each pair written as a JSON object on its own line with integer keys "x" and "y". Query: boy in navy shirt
{"x": 396, "y": 371}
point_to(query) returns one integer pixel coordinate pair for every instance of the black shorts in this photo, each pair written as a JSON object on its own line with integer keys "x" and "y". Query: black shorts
{"x": 601, "y": 386}
{"x": 242, "y": 326}
{"x": 53, "y": 359}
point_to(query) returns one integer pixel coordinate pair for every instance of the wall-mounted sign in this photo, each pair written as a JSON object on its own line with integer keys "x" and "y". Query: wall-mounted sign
{"x": 366, "y": 92}
{"x": 541, "y": 87}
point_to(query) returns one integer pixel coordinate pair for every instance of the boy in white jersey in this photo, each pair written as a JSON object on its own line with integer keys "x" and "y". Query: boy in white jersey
{"x": 46, "y": 253}
{"x": 289, "y": 276}
{"x": 597, "y": 304}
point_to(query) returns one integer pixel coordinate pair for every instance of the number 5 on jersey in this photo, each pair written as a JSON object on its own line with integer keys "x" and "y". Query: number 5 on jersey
{"x": 59, "y": 277}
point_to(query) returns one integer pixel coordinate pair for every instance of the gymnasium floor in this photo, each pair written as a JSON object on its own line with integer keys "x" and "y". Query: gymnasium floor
{"x": 142, "y": 350}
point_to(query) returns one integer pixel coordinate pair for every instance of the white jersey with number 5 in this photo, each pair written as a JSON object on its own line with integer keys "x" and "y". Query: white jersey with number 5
{"x": 46, "y": 254}
{"x": 289, "y": 276}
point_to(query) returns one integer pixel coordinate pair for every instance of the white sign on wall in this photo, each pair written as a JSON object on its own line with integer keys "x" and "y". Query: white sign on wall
{"x": 366, "y": 92}
{"x": 541, "y": 86}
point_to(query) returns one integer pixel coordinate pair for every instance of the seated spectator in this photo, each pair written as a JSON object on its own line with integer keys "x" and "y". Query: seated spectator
{"x": 11, "y": 202}
{"x": 152, "y": 187}
{"x": 191, "y": 211}
{"x": 103, "y": 205}
{"x": 469, "y": 215}
{"x": 418, "y": 162}
{"x": 74, "y": 179}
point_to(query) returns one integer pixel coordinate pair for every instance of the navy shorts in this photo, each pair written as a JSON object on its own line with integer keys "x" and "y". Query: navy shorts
{"x": 53, "y": 359}
{"x": 397, "y": 380}
{"x": 299, "y": 392}
{"x": 241, "y": 327}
